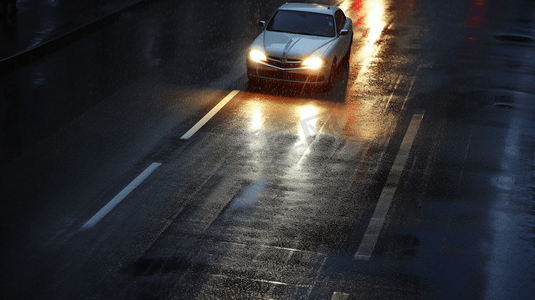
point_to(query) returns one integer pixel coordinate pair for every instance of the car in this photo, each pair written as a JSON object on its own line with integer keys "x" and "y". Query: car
{"x": 303, "y": 43}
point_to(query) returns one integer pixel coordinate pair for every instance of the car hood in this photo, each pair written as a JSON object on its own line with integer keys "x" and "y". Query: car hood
{"x": 290, "y": 45}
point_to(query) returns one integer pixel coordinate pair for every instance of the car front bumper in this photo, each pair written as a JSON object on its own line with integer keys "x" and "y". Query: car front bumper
{"x": 298, "y": 75}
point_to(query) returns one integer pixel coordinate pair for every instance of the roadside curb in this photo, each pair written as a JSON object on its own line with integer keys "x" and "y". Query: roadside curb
{"x": 31, "y": 54}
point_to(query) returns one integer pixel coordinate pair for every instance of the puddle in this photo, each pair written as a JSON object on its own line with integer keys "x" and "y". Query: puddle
{"x": 248, "y": 199}
{"x": 503, "y": 105}
{"x": 514, "y": 38}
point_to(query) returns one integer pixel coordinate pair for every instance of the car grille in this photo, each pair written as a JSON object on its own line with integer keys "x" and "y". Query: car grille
{"x": 284, "y": 63}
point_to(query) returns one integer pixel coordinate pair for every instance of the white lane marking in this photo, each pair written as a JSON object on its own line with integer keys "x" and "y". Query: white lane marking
{"x": 339, "y": 296}
{"x": 209, "y": 115}
{"x": 409, "y": 92}
{"x": 385, "y": 199}
{"x": 117, "y": 199}
{"x": 304, "y": 127}
{"x": 392, "y": 95}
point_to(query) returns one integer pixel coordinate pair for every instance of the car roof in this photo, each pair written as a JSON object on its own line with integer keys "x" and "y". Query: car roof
{"x": 310, "y": 7}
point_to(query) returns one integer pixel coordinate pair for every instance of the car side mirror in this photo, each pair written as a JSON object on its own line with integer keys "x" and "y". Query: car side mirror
{"x": 344, "y": 32}
{"x": 262, "y": 24}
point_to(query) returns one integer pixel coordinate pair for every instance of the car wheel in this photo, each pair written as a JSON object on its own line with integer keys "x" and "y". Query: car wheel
{"x": 332, "y": 76}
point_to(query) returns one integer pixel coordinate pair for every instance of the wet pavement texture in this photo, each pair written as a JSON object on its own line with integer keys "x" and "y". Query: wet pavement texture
{"x": 412, "y": 178}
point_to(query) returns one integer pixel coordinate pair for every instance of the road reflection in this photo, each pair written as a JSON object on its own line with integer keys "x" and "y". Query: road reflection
{"x": 277, "y": 114}
{"x": 362, "y": 115}
{"x": 369, "y": 20}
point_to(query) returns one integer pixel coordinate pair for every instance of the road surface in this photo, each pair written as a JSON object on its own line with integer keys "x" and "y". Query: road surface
{"x": 412, "y": 178}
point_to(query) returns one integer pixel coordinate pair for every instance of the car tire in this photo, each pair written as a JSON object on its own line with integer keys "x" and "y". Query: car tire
{"x": 332, "y": 76}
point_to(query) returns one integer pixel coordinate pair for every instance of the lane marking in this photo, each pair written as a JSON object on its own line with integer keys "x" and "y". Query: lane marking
{"x": 117, "y": 199}
{"x": 385, "y": 199}
{"x": 393, "y": 91}
{"x": 304, "y": 127}
{"x": 209, "y": 115}
{"x": 409, "y": 92}
{"x": 339, "y": 296}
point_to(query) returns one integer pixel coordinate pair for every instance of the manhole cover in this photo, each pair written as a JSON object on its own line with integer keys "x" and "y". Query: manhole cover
{"x": 514, "y": 38}
{"x": 503, "y": 105}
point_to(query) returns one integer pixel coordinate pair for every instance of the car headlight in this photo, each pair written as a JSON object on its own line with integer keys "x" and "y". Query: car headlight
{"x": 256, "y": 55}
{"x": 313, "y": 63}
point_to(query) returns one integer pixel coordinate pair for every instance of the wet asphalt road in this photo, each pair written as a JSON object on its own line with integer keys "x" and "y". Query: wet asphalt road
{"x": 411, "y": 179}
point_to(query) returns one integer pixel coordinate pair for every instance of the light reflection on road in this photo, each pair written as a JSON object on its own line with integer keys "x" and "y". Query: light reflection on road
{"x": 369, "y": 20}
{"x": 281, "y": 114}
{"x": 361, "y": 119}
{"x": 256, "y": 118}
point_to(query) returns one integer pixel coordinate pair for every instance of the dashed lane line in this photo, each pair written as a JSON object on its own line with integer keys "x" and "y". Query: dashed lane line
{"x": 209, "y": 115}
{"x": 339, "y": 296}
{"x": 117, "y": 199}
{"x": 385, "y": 199}
{"x": 393, "y": 91}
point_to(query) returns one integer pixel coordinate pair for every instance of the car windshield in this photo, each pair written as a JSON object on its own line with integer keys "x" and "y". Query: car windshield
{"x": 302, "y": 23}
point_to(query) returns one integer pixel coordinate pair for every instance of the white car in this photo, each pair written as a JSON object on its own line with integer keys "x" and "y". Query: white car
{"x": 303, "y": 43}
